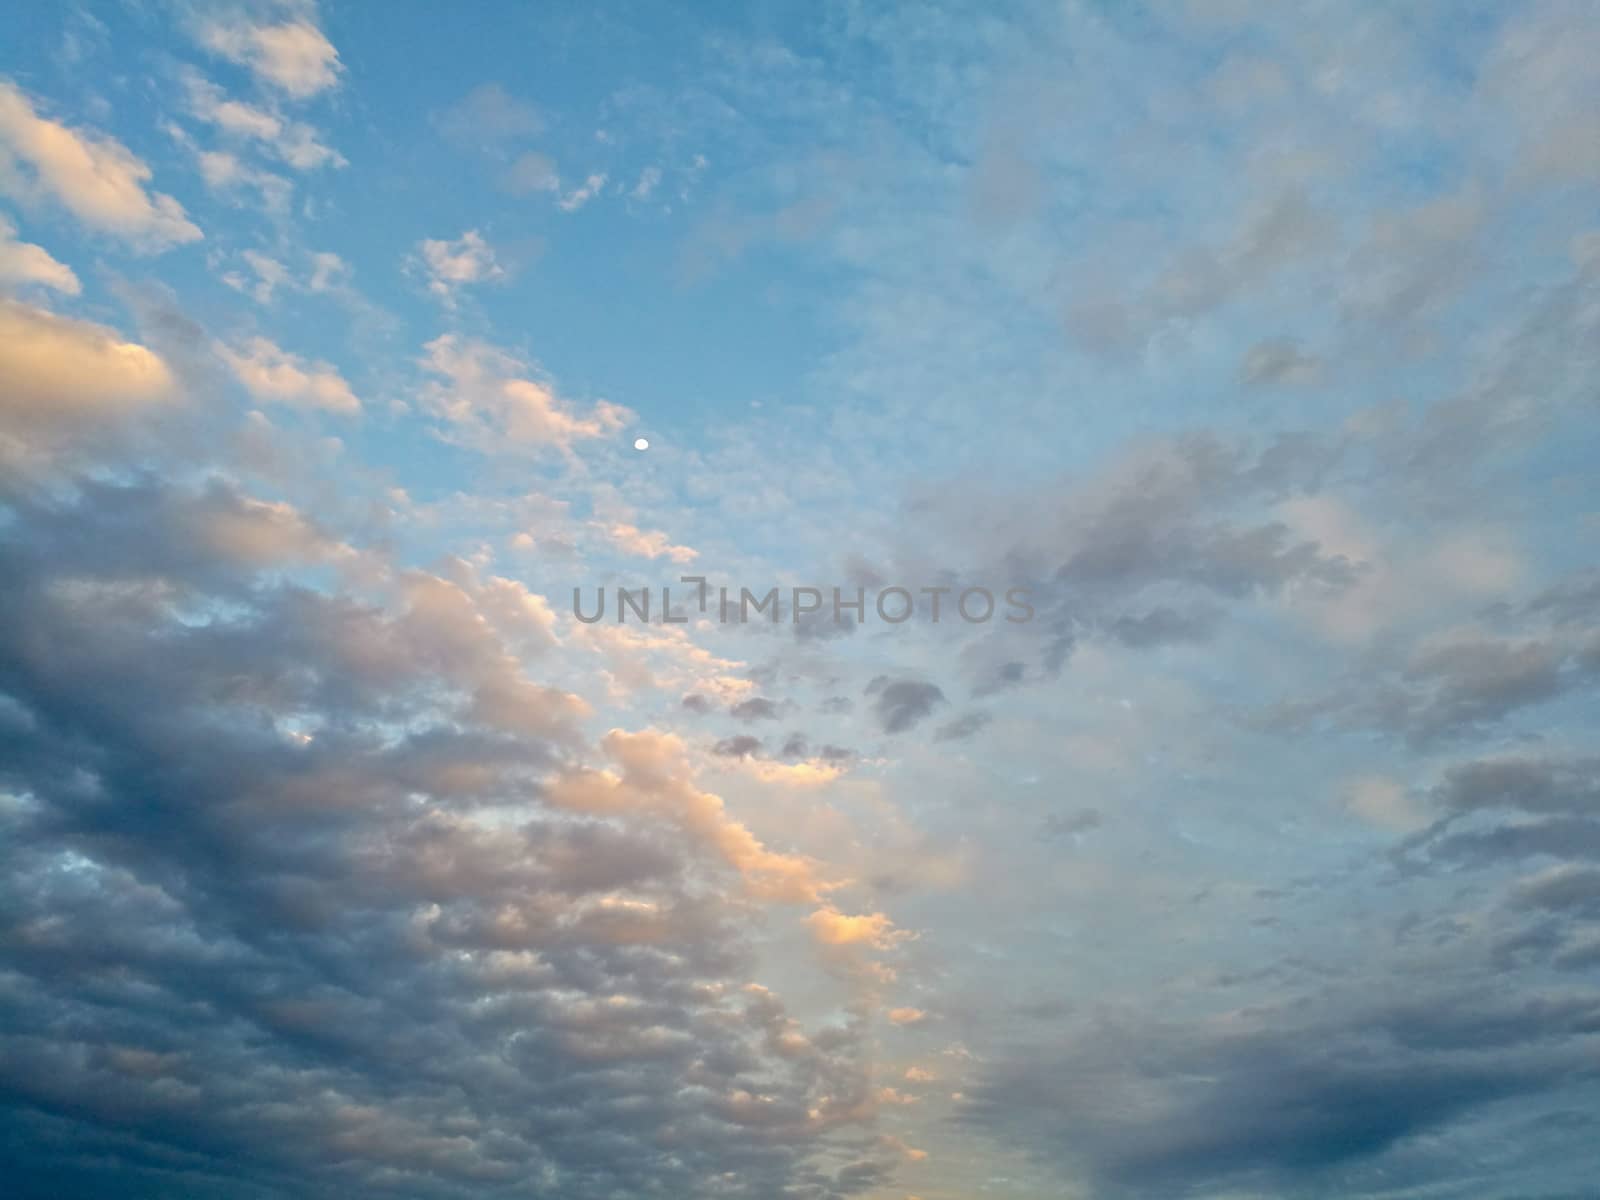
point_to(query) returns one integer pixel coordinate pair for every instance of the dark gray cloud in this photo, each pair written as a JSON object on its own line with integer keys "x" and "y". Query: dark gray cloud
{"x": 1450, "y": 687}
{"x": 757, "y": 708}
{"x": 1154, "y": 549}
{"x": 963, "y": 726}
{"x": 1283, "y": 1098}
{"x": 1381, "y": 1077}
{"x": 822, "y": 625}
{"x": 742, "y": 746}
{"x": 1530, "y": 823}
{"x": 901, "y": 703}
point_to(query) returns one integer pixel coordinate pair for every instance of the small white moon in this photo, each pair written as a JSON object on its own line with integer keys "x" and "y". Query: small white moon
{"x": 641, "y": 443}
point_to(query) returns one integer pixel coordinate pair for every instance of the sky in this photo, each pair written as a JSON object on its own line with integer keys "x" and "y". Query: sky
{"x": 1243, "y": 354}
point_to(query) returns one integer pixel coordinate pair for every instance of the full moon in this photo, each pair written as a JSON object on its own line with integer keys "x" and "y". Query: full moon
{"x": 641, "y": 443}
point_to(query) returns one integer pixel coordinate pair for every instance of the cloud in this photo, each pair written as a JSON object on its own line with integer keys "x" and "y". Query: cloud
{"x": 293, "y": 56}
{"x": 1277, "y": 232}
{"x": 1084, "y": 820}
{"x": 271, "y": 373}
{"x": 288, "y": 916}
{"x": 270, "y": 275}
{"x": 649, "y": 180}
{"x": 64, "y": 376}
{"x": 653, "y": 776}
{"x": 489, "y": 114}
{"x": 94, "y": 177}
{"x": 1454, "y": 683}
{"x": 1540, "y": 71}
{"x": 648, "y": 543}
{"x": 24, "y": 263}
{"x": 757, "y": 708}
{"x": 1503, "y": 809}
{"x": 581, "y": 195}
{"x": 530, "y": 173}
{"x": 900, "y": 703}
{"x": 742, "y": 746}
{"x": 1279, "y": 362}
{"x": 1542, "y": 784}
{"x": 328, "y": 272}
{"x": 485, "y": 396}
{"x": 228, "y": 175}
{"x": 452, "y": 265}
{"x": 1383, "y": 802}
{"x": 294, "y": 142}
{"x": 1278, "y": 1096}
{"x": 316, "y": 272}
{"x": 1145, "y": 550}
{"x": 833, "y": 928}
{"x": 1568, "y": 888}
{"x": 1163, "y": 626}
{"x": 962, "y": 727}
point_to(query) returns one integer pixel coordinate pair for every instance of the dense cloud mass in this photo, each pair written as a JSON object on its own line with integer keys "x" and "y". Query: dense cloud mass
{"x": 281, "y": 894}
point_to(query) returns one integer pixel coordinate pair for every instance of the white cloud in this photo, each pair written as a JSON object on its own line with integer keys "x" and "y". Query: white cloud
{"x": 227, "y": 174}
{"x": 270, "y": 275}
{"x": 578, "y": 197}
{"x": 451, "y": 266}
{"x": 328, "y": 271}
{"x": 485, "y": 394}
{"x": 94, "y": 177}
{"x": 294, "y": 56}
{"x": 62, "y": 374}
{"x": 648, "y": 543}
{"x": 271, "y": 373}
{"x": 295, "y": 142}
{"x": 23, "y": 262}
{"x": 907, "y": 1016}
{"x": 319, "y": 272}
{"x": 649, "y": 179}
{"x": 834, "y": 928}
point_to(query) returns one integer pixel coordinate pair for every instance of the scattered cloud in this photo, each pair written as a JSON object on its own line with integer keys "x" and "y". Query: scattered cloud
{"x": 581, "y": 195}
{"x": 293, "y": 142}
{"x": 23, "y": 263}
{"x": 489, "y": 114}
{"x": 900, "y": 704}
{"x": 531, "y": 172}
{"x": 486, "y": 397}
{"x": 292, "y": 56}
{"x": 649, "y": 180}
{"x": 648, "y": 543}
{"x": 452, "y": 265}
{"x": 276, "y": 376}
{"x": 94, "y": 177}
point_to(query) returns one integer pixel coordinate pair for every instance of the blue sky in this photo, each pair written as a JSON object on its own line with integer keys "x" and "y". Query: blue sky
{"x": 1254, "y": 344}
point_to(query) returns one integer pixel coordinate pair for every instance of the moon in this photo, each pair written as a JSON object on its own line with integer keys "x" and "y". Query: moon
{"x": 641, "y": 443}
